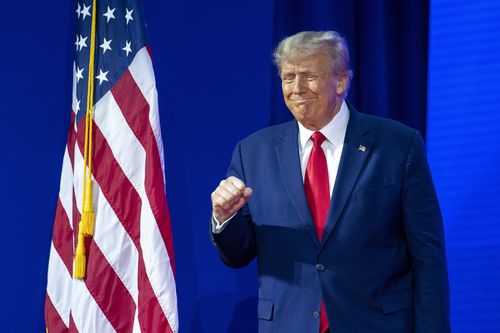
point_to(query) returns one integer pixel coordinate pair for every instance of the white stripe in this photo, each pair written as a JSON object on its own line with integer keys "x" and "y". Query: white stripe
{"x": 73, "y": 98}
{"x": 158, "y": 266}
{"x": 115, "y": 243}
{"x": 78, "y": 176}
{"x": 151, "y": 240}
{"x": 73, "y": 91}
{"x": 87, "y": 315}
{"x": 136, "y": 328}
{"x": 66, "y": 187}
{"x": 127, "y": 150}
{"x": 142, "y": 71}
{"x": 59, "y": 285}
{"x": 113, "y": 240}
{"x": 131, "y": 157}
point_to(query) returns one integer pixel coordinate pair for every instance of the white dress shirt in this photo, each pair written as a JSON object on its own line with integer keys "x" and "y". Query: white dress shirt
{"x": 334, "y": 132}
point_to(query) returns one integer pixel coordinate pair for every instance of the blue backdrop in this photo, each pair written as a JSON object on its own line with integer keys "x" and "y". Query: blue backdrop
{"x": 216, "y": 85}
{"x": 463, "y": 135}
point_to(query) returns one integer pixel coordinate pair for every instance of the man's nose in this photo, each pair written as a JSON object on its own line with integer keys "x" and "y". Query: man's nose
{"x": 299, "y": 85}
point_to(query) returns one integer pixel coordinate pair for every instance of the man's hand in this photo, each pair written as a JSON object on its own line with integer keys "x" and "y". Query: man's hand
{"x": 229, "y": 197}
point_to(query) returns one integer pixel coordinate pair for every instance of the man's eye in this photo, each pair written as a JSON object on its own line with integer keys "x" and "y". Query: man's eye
{"x": 311, "y": 77}
{"x": 287, "y": 79}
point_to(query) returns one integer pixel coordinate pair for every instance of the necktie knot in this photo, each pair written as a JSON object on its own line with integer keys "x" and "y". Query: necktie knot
{"x": 318, "y": 138}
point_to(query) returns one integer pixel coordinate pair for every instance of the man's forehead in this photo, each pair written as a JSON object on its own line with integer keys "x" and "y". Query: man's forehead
{"x": 315, "y": 63}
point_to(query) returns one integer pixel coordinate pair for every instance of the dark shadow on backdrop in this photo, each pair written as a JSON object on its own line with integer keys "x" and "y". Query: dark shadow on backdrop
{"x": 388, "y": 44}
{"x": 229, "y": 309}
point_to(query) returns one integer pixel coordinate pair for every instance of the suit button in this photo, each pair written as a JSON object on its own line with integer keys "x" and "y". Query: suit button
{"x": 316, "y": 314}
{"x": 320, "y": 267}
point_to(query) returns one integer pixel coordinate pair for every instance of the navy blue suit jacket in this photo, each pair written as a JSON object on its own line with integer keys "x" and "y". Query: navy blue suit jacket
{"x": 381, "y": 264}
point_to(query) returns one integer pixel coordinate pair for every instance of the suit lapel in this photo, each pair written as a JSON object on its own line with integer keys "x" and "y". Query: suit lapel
{"x": 289, "y": 163}
{"x": 356, "y": 149}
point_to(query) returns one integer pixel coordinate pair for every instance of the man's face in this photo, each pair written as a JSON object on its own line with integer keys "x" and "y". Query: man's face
{"x": 311, "y": 92}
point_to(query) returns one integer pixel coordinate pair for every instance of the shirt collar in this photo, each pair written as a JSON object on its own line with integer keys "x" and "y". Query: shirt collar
{"x": 334, "y": 131}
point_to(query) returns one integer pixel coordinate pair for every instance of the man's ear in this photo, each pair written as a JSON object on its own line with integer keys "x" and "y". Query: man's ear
{"x": 342, "y": 85}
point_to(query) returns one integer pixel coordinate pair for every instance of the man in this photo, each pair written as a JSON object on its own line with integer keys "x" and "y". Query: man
{"x": 338, "y": 207}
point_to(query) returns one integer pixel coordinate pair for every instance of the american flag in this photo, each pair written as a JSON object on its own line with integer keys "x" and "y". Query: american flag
{"x": 130, "y": 274}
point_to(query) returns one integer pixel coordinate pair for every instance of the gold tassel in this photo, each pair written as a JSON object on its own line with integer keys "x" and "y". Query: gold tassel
{"x": 80, "y": 259}
{"x": 88, "y": 216}
{"x": 86, "y": 225}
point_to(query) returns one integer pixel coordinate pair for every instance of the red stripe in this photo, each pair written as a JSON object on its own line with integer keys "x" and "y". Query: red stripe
{"x": 53, "y": 320}
{"x": 76, "y": 196}
{"x": 114, "y": 184}
{"x": 151, "y": 316}
{"x": 109, "y": 291}
{"x": 62, "y": 237}
{"x": 105, "y": 286}
{"x": 126, "y": 203}
{"x": 72, "y": 326}
{"x": 135, "y": 109}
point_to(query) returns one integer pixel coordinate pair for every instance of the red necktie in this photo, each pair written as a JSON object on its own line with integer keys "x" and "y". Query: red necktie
{"x": 317, "y": 190}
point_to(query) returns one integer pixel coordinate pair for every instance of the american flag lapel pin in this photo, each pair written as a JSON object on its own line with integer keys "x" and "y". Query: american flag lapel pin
{"x": 362, "y": 148}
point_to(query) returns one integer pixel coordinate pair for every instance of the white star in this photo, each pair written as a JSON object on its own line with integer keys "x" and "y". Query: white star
{"x": 78, "y": 73}
{"x": 127, "y": 47}
{"x": 85, "y": 11}
{"x": 79, "y": 10}
{"x": 105, "y": 45}
{"x": 128, "y": 16}
{"x": 82, "y": 42}
{"x": 77, "y": 106}
{"x": 102, "y": 76}
{"x": 109, "y": 14}
{"x": 77, "y": 42}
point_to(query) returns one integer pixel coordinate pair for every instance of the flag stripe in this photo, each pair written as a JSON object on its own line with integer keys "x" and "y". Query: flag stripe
{"x": 108, "y": 291}
{"x": 136, "y": 111}
{"x": 66, "y": 188}
{"x": 59, "y": 285}
{"x": 71, "y": 143}
{"x": 126, "y": 203}
{"x": 141, "y": 69}
{"x": 102, "y": 281}
{"x": 62, "y": 237}
{"x": 114, "y": 184}
{"x": 72, "y": 326}
{"x": 87, "y": 315}
{"x": 153, "y": 247}
{"x": 119, "y": 250}
{"x": 53, "y": 319}
{"x": 127, "y": 150}
{"x": 151, "y": 316}
{"x": 76, "y": 218}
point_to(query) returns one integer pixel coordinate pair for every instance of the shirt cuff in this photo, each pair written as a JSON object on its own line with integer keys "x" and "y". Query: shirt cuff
{"x": 218, "y": 227}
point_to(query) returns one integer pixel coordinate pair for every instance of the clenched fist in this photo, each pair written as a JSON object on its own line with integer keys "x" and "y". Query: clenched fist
{"x": 229, "y": 197}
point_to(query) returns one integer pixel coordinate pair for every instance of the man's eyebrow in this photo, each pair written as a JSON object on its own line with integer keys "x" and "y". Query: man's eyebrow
{"x": 309, "y": 71}
{"x": 301, "y": 71}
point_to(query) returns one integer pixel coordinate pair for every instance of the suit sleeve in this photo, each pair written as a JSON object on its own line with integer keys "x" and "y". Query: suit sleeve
{"x": 424, "y": 231}
{"x": 236, "y": 244}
